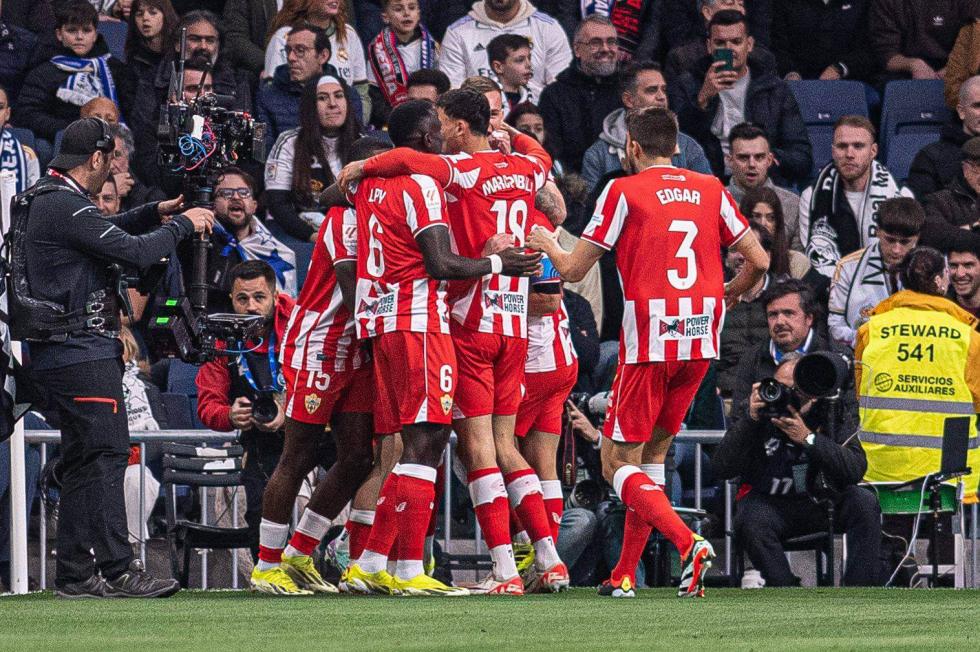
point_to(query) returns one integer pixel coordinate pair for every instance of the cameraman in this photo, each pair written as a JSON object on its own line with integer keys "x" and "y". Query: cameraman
{"x": 65, "y": 301}
{"x": 792, "y": 460}
{"x": 234, "y": 391}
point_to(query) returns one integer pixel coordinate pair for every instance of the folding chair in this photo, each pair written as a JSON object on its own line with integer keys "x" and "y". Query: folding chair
{"x": 912, "y": 106}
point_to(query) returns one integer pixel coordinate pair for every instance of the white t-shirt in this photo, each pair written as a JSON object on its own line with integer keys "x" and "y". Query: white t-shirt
{"x": 281, "y": 161}
{"x": 856, "y": 199}
{"x": 346, "y": 57}
{"x": 731, "y": 111}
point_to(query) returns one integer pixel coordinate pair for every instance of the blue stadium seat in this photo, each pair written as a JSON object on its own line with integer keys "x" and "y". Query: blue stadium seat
{"x": 821, "y": 104}
{"x": 179, "y": 415}
{"x": 114, "y": 33}
{"x": 180, "y": 378}
{"x": 902, "y": 148}
{"x": 912, "y": 106}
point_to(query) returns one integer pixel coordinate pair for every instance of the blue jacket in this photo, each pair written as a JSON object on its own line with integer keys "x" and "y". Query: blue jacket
{"x": 603, "y": 156}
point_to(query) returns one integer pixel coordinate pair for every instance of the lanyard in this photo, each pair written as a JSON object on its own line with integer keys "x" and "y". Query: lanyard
{"x": 277, "y": 384}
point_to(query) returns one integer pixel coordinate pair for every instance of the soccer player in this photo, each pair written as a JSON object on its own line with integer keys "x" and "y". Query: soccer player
{"x": 668, "y": 227}
{"x": 328, "y": 380}
{"x": 404, "y": 259}
{"x": 490, "y": 193}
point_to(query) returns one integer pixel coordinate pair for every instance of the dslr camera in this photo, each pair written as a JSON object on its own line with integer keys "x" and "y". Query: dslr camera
{"x": 821, "y": 374}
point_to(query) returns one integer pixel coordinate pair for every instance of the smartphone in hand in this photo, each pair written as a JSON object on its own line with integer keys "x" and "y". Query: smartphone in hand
{"x": 727, "y": 55}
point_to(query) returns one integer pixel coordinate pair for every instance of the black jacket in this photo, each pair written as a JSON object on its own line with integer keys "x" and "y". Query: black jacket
{"x": 142, "y": 64}
{"x": 938, "y": 163}
{"x": 573, "y": 108}
{"x": 947, "y": 211}
{"x": 810, "y": 35}
{"x": 17, "y": 45}
{"x": 688, "y": 57}
{"x": 745, "y": 327}
{"x": 38, "y": 107}
{"x": 769, "y": 103}
{"x": 684, "y": 23}
{"x": 246, "y": 26}
{"x": 913, "y": 28}
{"x": 69, "y": 247}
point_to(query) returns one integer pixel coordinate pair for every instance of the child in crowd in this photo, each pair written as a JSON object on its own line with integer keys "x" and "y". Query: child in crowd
{"x": 401, "y": 48}
{"x": 510, "y": 58}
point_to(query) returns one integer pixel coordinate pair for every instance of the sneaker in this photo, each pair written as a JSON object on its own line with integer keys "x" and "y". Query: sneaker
{"x": 424, "y": 585}
{"x": 752, "y": 579}
{"x": 338, "y": 552}
{"x": 552, "y": 580}
{"x": 135, "y": 582}
{"x": 93, "y": 587}
{"x": 275, "y": 581}
{"x": 698, "y": 563}
{"x": 524, "y": 558}
{"x": 621, "y": 589}
{"x": 303, "y": 572}
{"x": 356, "y": 580}
{"x": 493, "y": 586}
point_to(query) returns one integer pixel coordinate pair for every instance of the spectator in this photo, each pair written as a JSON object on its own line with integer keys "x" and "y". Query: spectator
{"x": 226, "y": 396}
{"x": 427, "y": 85}
{"x": 510, "y": 58}
{"x": 34, "y": 15}
{"x": 688, "y": 20}
{"x": 963, "y": 62}
{"x": 953, "y": 214}
{"x": 18, "y": 46}
{"x": 685, "y": 56}
{"x": 464, "y": 45}
{"x": 750, "y": 158}
{"x": 100, "y": 107}
{"x": 132, "y": 191}
{"x": 777, "y": 503}
{"x": 14, "y": 155}
{"x": 402, "y": 47}
{"x": 938, "y": 163}
{"x": 643, "y": 86}
{"x": 868, "y": 276}
{"x": 107, "y": 201}
{"x": 346, "y": 51}
{"x": 912, "y": 38}
{"x": 307, "y": 160}
{"x": 238, "y": 236}
{"x": 763, "y": 206}
{"x": 82, "y": 69}
{"x": 151, "y": 27}
{"x": 246, "y": 31}
{"x": 822, "y": 40}
{"x": 576, "y": 103}
{"x": 710, "y": 101}
{"x": 964, "y": 278}
{"x": 527, "y": 118}
{"x": 839, "y": 212}
{"x": 277, "y": 100}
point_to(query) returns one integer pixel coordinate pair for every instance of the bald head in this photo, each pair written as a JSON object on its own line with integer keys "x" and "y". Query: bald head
{"x": 100, "y": 107}
{"x": 968, "y": 107}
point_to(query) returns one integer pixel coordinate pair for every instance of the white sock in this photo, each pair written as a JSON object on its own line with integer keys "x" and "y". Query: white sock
{"x": 373, "y": 562}
{"x": 312, "y": 525}
{"x": 273, "y": 536}
{"x": 522, "y": 537}
{"x": 545, "y": 554}
{"x": 504, "y": 567}
{"x": 656, "y": 472}
{"x": 406, "y": 569}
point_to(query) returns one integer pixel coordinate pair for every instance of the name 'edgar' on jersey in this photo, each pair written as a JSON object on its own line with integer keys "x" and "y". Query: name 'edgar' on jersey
{"x": 668, "y": 227}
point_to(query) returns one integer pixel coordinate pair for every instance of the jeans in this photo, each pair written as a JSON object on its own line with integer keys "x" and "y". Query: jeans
{"x": 577, "y": 545}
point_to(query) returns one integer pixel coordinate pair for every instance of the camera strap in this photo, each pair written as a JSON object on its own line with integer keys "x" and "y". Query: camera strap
{"x": 277, "y": 382}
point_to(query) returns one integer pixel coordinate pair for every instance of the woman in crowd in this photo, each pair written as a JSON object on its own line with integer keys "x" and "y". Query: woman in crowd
{"x": 346, "y": 51}
{"x": 762, "y": 206}
{"x": 151, "y": 26}
{"x": 308, "y": 159}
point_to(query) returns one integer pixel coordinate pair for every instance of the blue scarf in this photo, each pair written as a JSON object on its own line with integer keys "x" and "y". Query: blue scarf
{"x": 87, "y": 79}
{"x": 260, "y": 245}
{"x": 13, "y": 157}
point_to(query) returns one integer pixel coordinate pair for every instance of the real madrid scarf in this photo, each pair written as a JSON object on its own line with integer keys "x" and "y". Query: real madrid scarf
{"x": 87, "y": 79}
{"x": 835, "y": 230}
{"x": 625, "y": 16}
{"x": 13, "y": 157}
{"x": 389, "y": 68}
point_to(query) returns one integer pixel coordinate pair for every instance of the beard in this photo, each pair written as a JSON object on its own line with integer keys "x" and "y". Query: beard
{"x": 601, "y": 68}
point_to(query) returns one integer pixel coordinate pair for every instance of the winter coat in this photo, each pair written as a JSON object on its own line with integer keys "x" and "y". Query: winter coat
{"x": 938, "y": 163}
{"x": 913, "y": 28}
{"x": 684, "y": 23}
{"x": 947, "y": 211}
{"x": 963, "y": 63}
{"x": 745, "y": 326}
{"x": 688, "y": 57}
{"x": 17, "y": 46}
{"x": 246, "y": 26}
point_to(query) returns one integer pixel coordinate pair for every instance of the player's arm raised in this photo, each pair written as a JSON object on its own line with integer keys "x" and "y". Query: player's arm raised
{"x": 572, "y": 265}
{"x": 397, "y": 162}
{"x": 756, "y": 264}
{"x": 442, "y": 263}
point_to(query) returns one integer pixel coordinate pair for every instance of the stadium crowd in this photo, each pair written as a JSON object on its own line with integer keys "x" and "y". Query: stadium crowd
{"x": 836, "y": 222}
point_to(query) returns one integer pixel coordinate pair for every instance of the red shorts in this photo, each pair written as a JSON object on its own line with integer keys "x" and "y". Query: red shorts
{"x": 544, "y": 400}
{"x": 415, "y": 379}
{"x": 314, "y": 396}
{"x": 491, "y": 373}
{"x": 649, "y": 395}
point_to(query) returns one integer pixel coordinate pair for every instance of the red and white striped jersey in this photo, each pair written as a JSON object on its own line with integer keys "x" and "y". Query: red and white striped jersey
{"x": 320, "y": 331}
{"x": 668, "y": 226}
{"x": 394, "y": 292}
{"x": 549, "y": 342}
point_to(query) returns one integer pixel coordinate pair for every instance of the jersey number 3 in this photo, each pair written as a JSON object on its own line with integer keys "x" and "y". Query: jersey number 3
{"x": 684, "y": 280}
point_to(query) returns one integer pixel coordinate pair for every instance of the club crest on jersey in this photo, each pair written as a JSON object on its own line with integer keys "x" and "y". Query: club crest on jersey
{"x": 509, "y": 302}
{"x": 312, "y": 403}
{"x": 685, "y": 328}
{"x": 377, "y": 307}
{"x": 446, "y": 401}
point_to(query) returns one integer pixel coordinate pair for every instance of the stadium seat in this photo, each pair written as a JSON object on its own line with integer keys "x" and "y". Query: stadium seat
{"x": 902, "y": 149}
{"x": 180, "y": 378}
{"x": 114, "y": 33}
{"x": 821, "y": 104}
{"x": 179, "y": 416}
{"x": 911, "y": 106}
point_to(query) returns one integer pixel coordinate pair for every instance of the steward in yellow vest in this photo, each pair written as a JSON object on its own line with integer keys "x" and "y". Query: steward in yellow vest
{"x": 920, "y": 363}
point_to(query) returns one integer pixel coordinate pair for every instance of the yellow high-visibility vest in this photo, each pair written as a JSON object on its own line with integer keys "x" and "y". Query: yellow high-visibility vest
{"x": 913, "y": 378}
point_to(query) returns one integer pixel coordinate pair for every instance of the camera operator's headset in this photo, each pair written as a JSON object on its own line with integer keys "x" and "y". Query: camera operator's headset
{"x": 106, "y": 142}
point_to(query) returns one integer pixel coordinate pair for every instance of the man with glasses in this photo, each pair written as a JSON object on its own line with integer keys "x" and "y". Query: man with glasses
{"x": 574, "y": 106}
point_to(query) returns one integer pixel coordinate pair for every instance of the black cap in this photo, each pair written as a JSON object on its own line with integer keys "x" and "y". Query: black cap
{"x": 81, "y": 139}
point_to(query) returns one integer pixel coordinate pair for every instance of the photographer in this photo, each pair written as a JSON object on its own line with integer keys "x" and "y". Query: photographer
{"x": 65, "y": 301}
{"x": 793, "y": 458}
{"x": 244, "y": 392}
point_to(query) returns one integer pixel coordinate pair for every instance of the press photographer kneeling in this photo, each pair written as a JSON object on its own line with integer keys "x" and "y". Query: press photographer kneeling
{"x": 794, "y": 452}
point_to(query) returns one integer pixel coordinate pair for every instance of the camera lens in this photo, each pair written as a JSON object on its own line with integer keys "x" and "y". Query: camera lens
{"x": 264, "y": 408}
{"x": 770, "y": 390}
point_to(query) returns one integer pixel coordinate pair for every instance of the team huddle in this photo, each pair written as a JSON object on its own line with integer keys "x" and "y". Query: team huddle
{"x": 429, "y": 305}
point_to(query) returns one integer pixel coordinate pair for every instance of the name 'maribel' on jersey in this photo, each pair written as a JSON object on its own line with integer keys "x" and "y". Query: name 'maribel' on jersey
{"x": 668, "y": 226}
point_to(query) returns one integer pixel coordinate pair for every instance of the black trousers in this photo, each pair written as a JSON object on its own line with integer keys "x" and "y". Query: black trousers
{"x": 762, "y": 523}
{"x": 94, "y": 452}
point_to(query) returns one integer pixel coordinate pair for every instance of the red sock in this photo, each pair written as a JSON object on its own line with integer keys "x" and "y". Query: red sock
{"x": 554, "y": 504}
{"x": 385, "y": 527}
{"x": 516, "y": 527}
{"x": 440, "y": 487}
{"x": 358, "y": 528}
{"x": 639, "y": 492}
{"x": 416, "y": 493}
{"x": 636, "y": 533}
{"x": 490, "y": 504}
{"x": 524, "y": 490}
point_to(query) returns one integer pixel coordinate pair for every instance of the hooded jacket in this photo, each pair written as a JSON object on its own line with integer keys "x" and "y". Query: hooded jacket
{"x": 938, "y": 163}
{"x": 606, "y": 153}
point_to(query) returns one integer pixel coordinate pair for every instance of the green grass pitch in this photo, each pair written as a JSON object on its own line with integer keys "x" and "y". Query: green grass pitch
{"x": 728, "y": 619}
